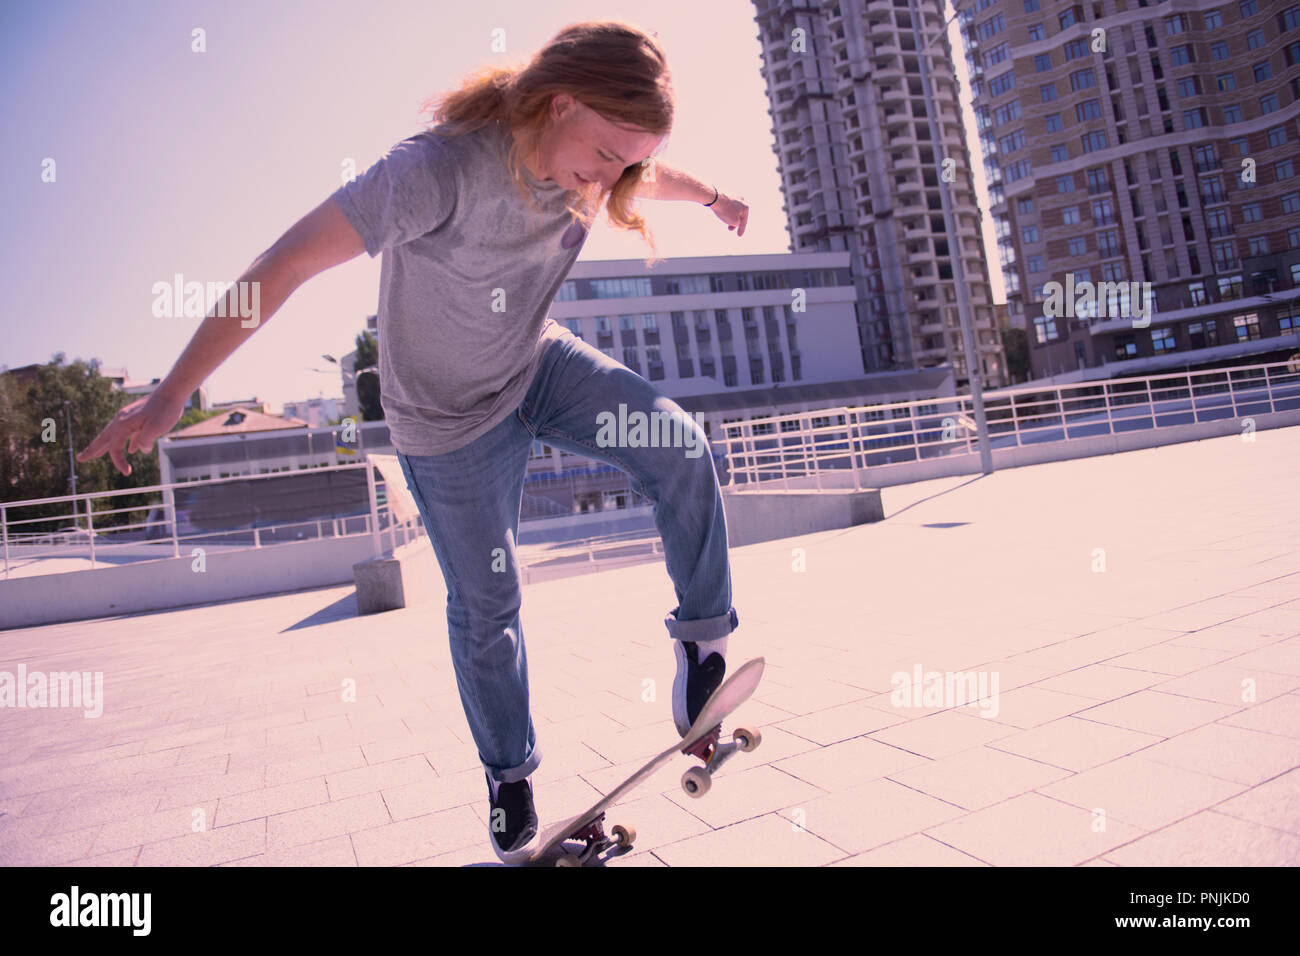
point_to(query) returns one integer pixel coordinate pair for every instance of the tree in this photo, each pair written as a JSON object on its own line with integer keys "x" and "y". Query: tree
{"x": 1016, "y": 345}
{"x": 34, "y": 442}
{"x": 368, "y": 384}
{"x": 193, "y": 416}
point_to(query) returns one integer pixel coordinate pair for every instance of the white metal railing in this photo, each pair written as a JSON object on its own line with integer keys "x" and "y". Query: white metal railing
{"x": 817, "y": 444}
{"x": 80, "y": 538}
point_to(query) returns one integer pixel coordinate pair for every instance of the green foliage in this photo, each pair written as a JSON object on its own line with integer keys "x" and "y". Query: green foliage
{"x": 34, "y": 443}
{"x": 193, "y": 416}
{"x": 368, "y": 384}
{"x": 1016, "y": 344}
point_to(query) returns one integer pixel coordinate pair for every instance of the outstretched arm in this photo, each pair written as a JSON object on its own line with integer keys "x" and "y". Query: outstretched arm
{"x": 662, "y": 181}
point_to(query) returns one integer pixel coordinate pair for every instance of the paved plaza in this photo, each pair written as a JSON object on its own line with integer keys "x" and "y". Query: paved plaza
{"x": 1133, "y": 621}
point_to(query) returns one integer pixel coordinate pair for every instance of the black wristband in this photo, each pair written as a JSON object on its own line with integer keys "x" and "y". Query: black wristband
{"x": 715, "y": 197}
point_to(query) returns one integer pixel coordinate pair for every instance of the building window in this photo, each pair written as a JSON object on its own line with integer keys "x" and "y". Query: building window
{"x": 1029, "y": 235}
{"x": 1025, "y": 204}
{"x": 1212, "y": 19}
{"x": 1082, "y": 79}
{"x": 1088, "y": 110}
{"x": 1277, "y": 136}
{"x": 1002, "y": 83}
{"x": 1065, "y": 184}
{"x": 1218, "y": 51}
{"x": 1268, "y": 104}
{"x": 1008, "y": 112}
{"x": 1227, "y": 82}
{"x": 1246, "y": 326}
{"x": 1263, "y": 71}
{"x": 1202, "y": 335}
{"x": 1078, "y": 246}
{"x": 1229, "y": 287}
{"x": 1060, "y": 154}
{"x": 1034, "y": 264}
{"x": 1052, "y": 122}
{"x": 1162, "y": 340}
{"x": 1036, "y": 32}
{"x": 1043, "y": 62}
{"x": 991, "y": 27}
{"x": 1094, "y": 141}
{"x": 1181, "y": 55}
{"x": 1232, "y": 114}
{"x": 1048, "y": 92}
{"x": 1070, "y": 216}
{"x": 1255, "y": 39}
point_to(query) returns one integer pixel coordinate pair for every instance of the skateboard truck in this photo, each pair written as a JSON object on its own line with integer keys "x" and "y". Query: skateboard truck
{"x": 697, "y": 780}
{"x": 593, "y": 834}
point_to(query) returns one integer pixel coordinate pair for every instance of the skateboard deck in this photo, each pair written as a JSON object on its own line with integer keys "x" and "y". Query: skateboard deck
{"x": 702, "y": 741}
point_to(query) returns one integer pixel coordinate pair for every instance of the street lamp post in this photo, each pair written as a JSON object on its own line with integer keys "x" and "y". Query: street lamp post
{"x": 72, "y": 463}
{"x": 955, "y": 247}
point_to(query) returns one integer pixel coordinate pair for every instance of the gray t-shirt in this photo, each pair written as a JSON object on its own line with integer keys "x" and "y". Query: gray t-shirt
{"x": 467, "y": 278}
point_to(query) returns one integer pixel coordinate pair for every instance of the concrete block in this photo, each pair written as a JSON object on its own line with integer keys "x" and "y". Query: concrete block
{"x": 379, "y": 585}
{"x": 754, "y": 516}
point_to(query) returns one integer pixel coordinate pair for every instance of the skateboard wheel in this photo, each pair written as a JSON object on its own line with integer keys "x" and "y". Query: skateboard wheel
{"x": 696, "y": 782}
{"x": 747, "y": 738}
{"x": 568, "y": 859}
{"x": 623, "y": 836}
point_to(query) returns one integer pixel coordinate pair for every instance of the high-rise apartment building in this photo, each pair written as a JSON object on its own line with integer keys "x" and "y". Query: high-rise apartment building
{"x": 1142, "y": 163}
{"x": 860, "y": 170}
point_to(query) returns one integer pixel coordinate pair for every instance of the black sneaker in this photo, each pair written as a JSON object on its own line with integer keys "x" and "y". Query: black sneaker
{"x": 695, "y": 682}
{"x": 512, "y": 820}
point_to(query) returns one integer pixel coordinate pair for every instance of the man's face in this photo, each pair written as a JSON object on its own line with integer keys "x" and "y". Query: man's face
{"x": 582, "y": 146}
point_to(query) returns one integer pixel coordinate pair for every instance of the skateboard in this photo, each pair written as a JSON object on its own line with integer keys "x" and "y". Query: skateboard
{"x": 703, "y": 741}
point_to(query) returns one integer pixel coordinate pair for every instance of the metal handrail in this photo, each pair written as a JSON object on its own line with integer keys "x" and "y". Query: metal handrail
{"x": 102, "y": 540}
{"x": 775, "y": 448}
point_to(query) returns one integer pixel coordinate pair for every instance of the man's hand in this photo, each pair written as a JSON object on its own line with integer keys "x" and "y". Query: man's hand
{"x": 733, "y": 212}
{"x": 138, "y": 426}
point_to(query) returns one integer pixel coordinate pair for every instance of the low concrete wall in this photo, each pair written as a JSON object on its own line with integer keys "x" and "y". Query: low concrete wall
{"x": 173, "y": 582}
{"x": 766, "y": 515}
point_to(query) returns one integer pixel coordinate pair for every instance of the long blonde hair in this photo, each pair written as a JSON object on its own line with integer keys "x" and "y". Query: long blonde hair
{"x": 610, "y": 66}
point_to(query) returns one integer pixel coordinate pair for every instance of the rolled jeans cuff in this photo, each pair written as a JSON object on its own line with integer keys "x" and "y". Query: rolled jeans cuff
{"x": 515, "y": 774}
{"x": 705, "y": 629}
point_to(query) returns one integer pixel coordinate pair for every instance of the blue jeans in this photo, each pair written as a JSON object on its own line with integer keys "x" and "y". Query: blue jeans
{"x": 470, "y": 500}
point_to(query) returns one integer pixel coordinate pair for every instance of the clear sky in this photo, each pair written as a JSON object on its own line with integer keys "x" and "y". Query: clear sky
{"x": 171, "y": 161}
